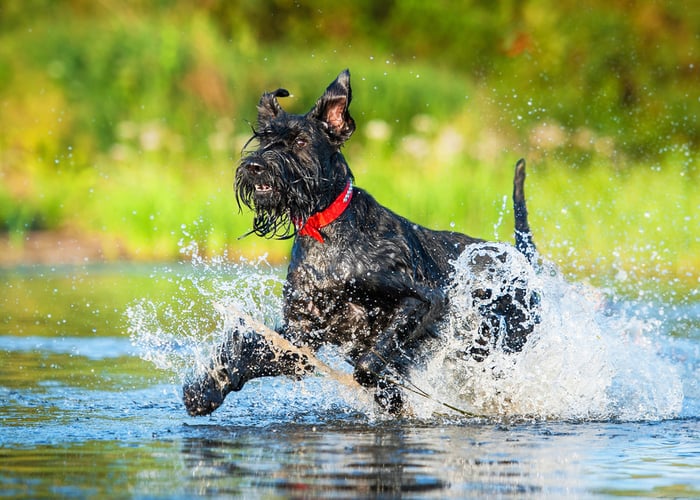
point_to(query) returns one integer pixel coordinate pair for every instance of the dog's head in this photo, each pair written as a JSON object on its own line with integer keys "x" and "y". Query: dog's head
{"x": 297, "y": 168}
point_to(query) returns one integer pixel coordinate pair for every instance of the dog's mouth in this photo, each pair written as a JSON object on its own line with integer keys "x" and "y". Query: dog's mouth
{"x": 263, "y": 189}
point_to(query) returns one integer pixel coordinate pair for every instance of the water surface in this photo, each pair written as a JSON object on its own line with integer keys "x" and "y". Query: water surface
{"x": 90, "y": 409}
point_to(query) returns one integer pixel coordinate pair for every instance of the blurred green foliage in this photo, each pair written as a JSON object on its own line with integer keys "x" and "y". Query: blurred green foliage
{"x": 126, "y": 119}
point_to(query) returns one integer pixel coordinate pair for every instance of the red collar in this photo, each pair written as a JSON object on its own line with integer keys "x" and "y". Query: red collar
{"x": 321, "y": 219}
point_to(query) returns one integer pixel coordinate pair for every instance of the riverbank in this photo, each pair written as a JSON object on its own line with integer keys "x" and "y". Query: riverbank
{"x": 73, "y": 248}
{"x": 55, "y": 248}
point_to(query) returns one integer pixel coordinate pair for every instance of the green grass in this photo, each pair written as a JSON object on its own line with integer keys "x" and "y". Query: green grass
{"x": 127, "y": 123}
{"x": 594, "y": 223}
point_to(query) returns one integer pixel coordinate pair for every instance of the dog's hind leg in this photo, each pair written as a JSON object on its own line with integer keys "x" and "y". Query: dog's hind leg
{"x": 523, "y": 235}
{"x": 508, "y": 313}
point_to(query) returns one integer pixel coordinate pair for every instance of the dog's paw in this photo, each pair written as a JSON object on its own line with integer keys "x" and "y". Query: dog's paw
{"x": 204, "y": 392}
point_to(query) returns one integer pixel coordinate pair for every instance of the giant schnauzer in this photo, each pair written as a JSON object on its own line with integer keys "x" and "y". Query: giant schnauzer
{"x": 360, "y": 275}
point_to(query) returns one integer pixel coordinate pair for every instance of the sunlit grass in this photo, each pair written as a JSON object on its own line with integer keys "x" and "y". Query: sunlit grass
{"x": 594, "y": 222}
{"x": 129, "y": 128}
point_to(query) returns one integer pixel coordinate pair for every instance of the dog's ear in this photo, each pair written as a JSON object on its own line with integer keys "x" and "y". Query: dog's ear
{"x": 332, "y": 108}
{"x": 268, "y": 107}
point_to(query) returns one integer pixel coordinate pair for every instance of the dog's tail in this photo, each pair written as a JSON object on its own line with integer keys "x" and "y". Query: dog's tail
{"x": 523, "y": 234}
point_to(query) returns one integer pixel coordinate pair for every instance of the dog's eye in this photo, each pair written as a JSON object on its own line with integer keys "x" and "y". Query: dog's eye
{"x": 300, "y": 142}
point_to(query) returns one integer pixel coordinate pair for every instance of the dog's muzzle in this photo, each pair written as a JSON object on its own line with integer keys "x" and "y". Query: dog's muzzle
{"x": 254, "y": 182}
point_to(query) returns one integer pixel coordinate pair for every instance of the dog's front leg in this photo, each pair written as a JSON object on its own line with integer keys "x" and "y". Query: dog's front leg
{"x": 413, "y": 319}
{"x": 242, "y": 356}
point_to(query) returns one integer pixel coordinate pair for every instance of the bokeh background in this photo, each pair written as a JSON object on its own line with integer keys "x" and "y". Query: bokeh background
{"x": 121, "y": 122}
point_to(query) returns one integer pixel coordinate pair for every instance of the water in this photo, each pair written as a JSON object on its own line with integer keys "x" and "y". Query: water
{"x": 604, "y": 402}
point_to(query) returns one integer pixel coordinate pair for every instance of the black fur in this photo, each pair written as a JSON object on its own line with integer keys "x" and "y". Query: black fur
{"x": 377, "y": 282}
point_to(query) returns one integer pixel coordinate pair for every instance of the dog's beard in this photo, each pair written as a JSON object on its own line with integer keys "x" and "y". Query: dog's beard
{"x": 272, "y": 219}
{"x": 273, "y": 224}
{"x": 280, "y": 205}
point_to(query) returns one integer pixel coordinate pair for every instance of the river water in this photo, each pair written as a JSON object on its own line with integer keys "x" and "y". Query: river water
{"x": 605, "y": 403}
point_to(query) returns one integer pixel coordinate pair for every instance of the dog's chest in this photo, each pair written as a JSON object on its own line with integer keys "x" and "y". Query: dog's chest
{"x": 324, "y": 295}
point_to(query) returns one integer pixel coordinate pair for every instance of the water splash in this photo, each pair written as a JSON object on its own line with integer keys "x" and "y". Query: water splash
{"x": 588, "y": 358}
{"x": 180, "y": 334}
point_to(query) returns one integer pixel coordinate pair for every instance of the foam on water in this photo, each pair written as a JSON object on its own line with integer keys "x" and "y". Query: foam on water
{"x": 586, "y": 359}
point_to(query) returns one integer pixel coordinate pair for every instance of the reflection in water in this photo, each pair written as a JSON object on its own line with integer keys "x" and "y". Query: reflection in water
{"x": 389, "y": 459}
{"x": 458, "y": 460}
{"x": 354, "y": 460}
{"x": 367, "y": 461}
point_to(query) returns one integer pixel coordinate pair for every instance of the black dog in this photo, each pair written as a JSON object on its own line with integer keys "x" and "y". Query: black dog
{"x": 360, "y": 275}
